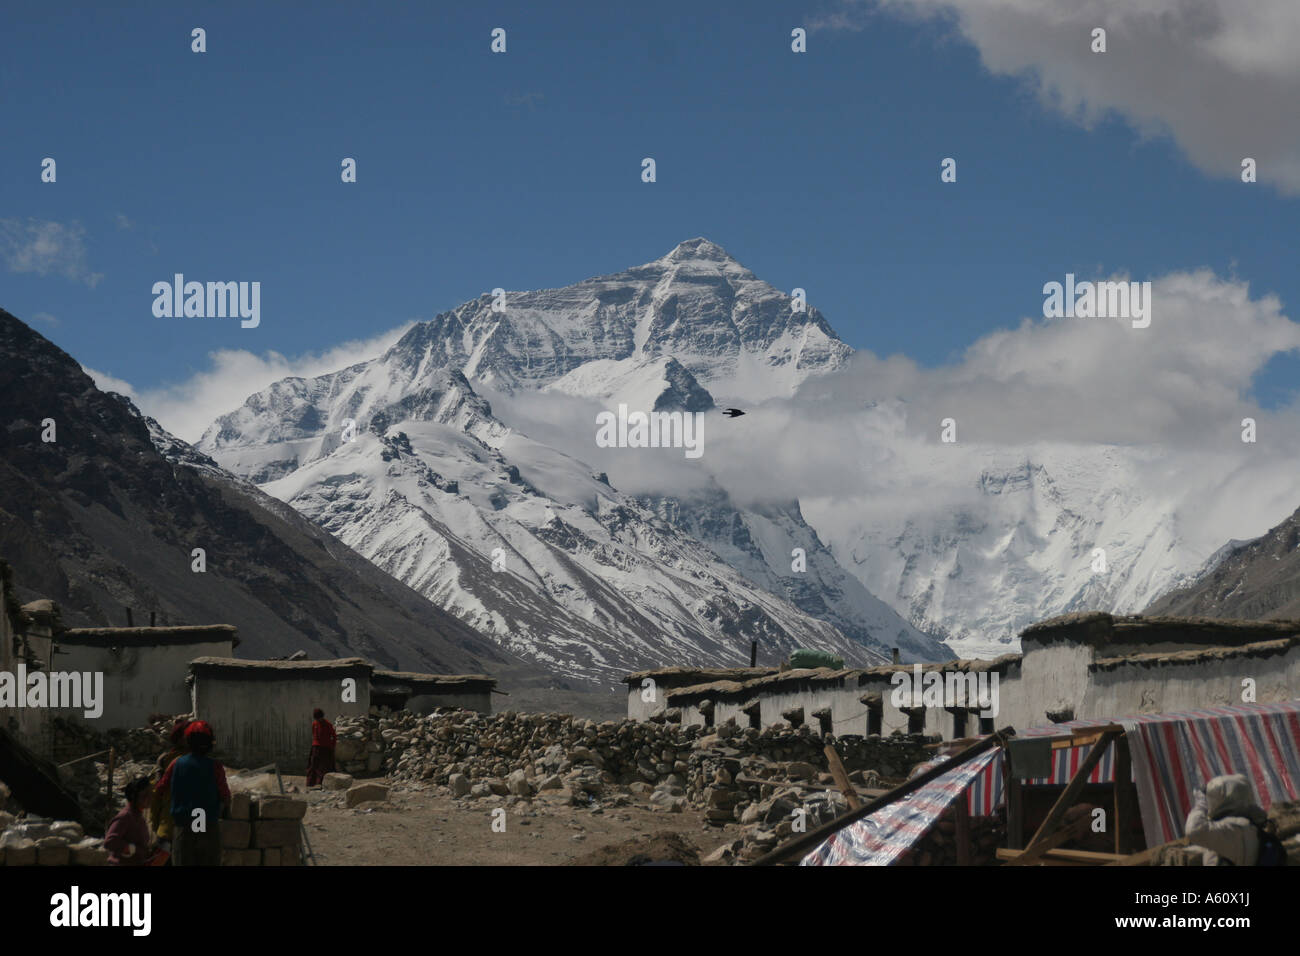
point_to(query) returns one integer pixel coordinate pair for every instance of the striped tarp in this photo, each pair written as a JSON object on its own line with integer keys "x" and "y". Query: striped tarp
{"x": 1174, "y": 755}
{"x": 880, "y": 839}
{"x": 986, "y": 794}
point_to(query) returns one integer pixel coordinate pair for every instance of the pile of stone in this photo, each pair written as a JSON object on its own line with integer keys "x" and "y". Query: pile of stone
{"x": 75, "y": 738}
{"x": 39, "y": 841}
{"x": 362, "y": 747}
{"x": 489, "y": 749}
{"x": 263, "y": 830}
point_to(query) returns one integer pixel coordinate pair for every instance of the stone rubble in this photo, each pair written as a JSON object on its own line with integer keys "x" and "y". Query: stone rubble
{"x": 40, "y": 841}
{"x": 732, "y": 774}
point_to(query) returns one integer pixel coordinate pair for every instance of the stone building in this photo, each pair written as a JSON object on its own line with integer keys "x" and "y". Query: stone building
{"x": 261, "y": 710}
{"x": 421, "y": 693}
{"x": 646, "y": 689}
{"x": 144, "y": 668}
{"x": 1072, "y": 667}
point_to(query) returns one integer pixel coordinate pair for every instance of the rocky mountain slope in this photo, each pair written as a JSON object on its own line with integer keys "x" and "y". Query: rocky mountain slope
{"x": 100, "y": 520}
{"x": 1257, "y": 579}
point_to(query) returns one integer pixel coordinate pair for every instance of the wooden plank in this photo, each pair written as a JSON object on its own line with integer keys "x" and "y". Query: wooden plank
{"x": 1040, "y": 842}
{"x": 1032, "y": 853}
{"x": 1015, "y": 810}
{"x": 811, "y": 839}
{"x": 1125, "y": 805}
{"x": 961, "y": 817}
{"x": 841, "y": 777}
{"x": 1081, "y": 857}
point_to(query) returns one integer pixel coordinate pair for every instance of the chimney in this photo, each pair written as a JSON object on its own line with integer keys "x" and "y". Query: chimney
{"x": 130, "y": 622}
{"x": 753, "y": 653}
{"x": 897, "y": 657}
{"x": 153, "y": 616}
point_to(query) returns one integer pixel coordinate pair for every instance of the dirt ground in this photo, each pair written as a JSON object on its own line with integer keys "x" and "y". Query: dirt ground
{"x": 421, "y": 827}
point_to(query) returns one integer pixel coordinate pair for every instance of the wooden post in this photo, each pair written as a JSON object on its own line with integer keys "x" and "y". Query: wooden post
{"x": 961, "y": 816}
{"x": 842, "y": 777}
{"x": 1041, "y": 842}
{"x": 1015, "y": 809}
{"x": 1124, "y": 809}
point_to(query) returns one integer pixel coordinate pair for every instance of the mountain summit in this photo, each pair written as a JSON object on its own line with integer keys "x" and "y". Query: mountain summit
{"x": 532, "y": 545}
{"x": 741, "y": 339}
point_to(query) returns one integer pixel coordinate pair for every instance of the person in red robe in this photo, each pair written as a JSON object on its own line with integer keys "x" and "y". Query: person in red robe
{"x": 323, "y": 740}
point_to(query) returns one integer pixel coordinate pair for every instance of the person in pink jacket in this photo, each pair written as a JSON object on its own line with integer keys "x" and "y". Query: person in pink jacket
{"x": 127, "y": 840}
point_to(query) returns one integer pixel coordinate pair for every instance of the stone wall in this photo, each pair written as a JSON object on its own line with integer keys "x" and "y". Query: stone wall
{"x": 482, "y": 746}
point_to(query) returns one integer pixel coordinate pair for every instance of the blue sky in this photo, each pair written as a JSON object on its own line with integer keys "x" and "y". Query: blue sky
{"x": 522, "y": 170}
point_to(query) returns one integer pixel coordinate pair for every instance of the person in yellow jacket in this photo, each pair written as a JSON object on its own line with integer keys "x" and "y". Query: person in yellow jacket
{"x": 160, "y": 810}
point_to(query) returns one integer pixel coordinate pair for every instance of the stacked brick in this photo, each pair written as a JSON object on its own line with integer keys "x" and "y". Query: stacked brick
{"x": 263, "y": 830}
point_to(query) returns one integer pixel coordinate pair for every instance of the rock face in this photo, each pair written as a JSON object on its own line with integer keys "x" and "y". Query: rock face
{"x": 1252, "y": 580}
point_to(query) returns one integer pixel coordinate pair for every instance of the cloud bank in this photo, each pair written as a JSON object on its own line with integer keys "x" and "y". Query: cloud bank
{"x": 187, "y": 408}
{"x": 1220, "y": 77}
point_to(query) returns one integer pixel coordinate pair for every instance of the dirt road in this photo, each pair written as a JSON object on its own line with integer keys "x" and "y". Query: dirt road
{"x": 428, "y": 828}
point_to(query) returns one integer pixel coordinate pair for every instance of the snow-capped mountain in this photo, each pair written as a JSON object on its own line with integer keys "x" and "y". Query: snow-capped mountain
{"x": 969, "y": 544}
{"x": 1036, "y": 532}
{"x": 525, "y": 544}
{"x": 767, "y": 542}
{"x": 532, "y": 545}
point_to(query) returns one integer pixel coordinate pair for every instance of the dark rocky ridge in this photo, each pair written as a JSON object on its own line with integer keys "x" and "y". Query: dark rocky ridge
{"x": 1257, "y": 580}
{"x": 100, "y": 520}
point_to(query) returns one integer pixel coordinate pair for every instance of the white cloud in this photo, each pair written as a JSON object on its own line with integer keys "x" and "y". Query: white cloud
{"x": 110, "y": 383}
{"x": 46, "y": 247}
{"x": 1167, "y": 400}
{"x": 1221, "y": 77}
{"x": 186, "y": 408}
